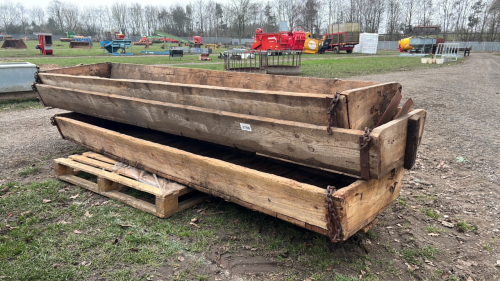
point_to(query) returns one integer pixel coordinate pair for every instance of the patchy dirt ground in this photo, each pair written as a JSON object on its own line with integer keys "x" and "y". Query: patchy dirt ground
{"x": 444, "y": 226}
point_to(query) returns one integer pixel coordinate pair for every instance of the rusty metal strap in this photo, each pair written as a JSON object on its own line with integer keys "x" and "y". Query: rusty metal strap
{"x": 332, "y": 115}
{"x": 332, "y": 221}
{"x": 364, "y": 154}
{"x": 37, "y": 79}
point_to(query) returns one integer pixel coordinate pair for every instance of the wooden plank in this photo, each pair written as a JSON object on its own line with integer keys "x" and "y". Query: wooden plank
{"x": 303, "y": 143}
{"x": 367, "y": 104}
{"x": 99, "y": 69}
{"x": 244, "y": 186}
{"x": 390, "y": 138}
{"x": 89, "y": 161}
{"x": 361, "y": 202}
{"x": 99, "y": 157}
{"x": 131, "y": 201}
{"x": 110, "y": 176}
{"x": 79, "y": 181}
{"x": 234, "y": 79}
{"x": 299, "y": 107}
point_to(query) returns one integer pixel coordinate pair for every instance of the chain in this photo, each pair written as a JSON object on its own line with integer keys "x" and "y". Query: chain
{"x": 332, "y": 221}
{"x": 331, "y": 112}
{"x": 366, "y": 138}
{"x": 37, "y": 79}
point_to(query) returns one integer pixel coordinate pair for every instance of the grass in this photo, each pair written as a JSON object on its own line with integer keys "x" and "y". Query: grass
{"x": 429, "y": 212}
{"x": 36, "y": 237}
{"x": 434, "y": 229}
{"x": 487, "y": 247}
{"x": 349, "y": 67}
{"x": 464, "y": 226}
{"x": 23, "y": 104}
{"x": 425, "y": 197}
{"x": 402, "y": 201}
{"x": 28, "y": 171}
{"x": 372, "y": 234}
{"x": 413, "y": 255}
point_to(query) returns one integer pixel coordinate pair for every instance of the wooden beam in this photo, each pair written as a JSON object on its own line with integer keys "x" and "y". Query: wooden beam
{"x": 229, "y": 181}
{"x": 99, "y": 69}
{"x": 299, "y": 142}
{"x": 299, "y": 107}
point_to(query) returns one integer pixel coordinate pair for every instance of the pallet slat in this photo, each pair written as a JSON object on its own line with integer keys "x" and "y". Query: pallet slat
{"x": 110, "y": 185}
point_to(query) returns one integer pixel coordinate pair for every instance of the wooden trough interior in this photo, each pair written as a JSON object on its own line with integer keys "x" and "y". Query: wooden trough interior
{"x": 285, "y": 190}
{"x": 278, "y": 116}
{"x": 80, "y": 45}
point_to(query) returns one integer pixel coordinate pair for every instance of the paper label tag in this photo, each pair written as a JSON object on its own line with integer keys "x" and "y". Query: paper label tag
{"x": 246, "y": 127}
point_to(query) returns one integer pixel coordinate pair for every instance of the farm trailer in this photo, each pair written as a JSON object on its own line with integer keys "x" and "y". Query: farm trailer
{"x": 340, "y": 37}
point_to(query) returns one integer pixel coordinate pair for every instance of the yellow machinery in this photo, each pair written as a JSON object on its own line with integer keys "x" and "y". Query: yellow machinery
{"x": 404, "y": 44}
{"x": 211, "y": 46}
{"x": 311, "y": 45}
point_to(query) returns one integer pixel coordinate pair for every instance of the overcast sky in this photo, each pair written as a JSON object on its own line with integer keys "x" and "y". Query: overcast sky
{"x": 45, "y": 3}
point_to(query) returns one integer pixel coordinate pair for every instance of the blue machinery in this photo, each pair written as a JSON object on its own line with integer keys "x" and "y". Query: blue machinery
{"x": 118, "y": 47}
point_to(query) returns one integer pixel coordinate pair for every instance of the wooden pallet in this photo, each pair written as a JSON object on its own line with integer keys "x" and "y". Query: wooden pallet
{"x": 110, "y": 184}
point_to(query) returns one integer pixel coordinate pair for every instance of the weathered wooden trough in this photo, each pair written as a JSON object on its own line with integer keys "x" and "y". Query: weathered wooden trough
{"x": 295, "y": 145}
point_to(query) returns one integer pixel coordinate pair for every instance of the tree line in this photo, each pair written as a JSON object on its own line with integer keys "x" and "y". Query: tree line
{"x": 466, "y": 19}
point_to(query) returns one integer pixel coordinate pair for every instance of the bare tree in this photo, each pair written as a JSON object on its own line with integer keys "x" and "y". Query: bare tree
{"x": 55, "y": 11}
{"x": 310, "y": 15}
{"x": 119, "y": 15}
{"x": 393, "y": 16}
{"x": 37, "y": 15}
{"x": 71, "y": 14}
{"x": 239, "y": 9}
{"x": 9, "y": 15}
{"x": 447, "y": 15}
{"x": 23, "y": 16}
{"x": 199, "y": 19}
{"x": 135, "y": 18}
{"x": 151, "y": 18}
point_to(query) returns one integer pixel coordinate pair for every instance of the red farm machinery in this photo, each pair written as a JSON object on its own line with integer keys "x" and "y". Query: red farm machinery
{"x": 280, "y": 41}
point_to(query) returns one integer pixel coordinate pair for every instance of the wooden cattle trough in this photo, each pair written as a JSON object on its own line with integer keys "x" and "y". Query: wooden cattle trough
{"x": 80, "y": 45}
{"x": 14, "y": 44}
{"x": 276, "y": 116}
{"x": 291, "y": 192}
